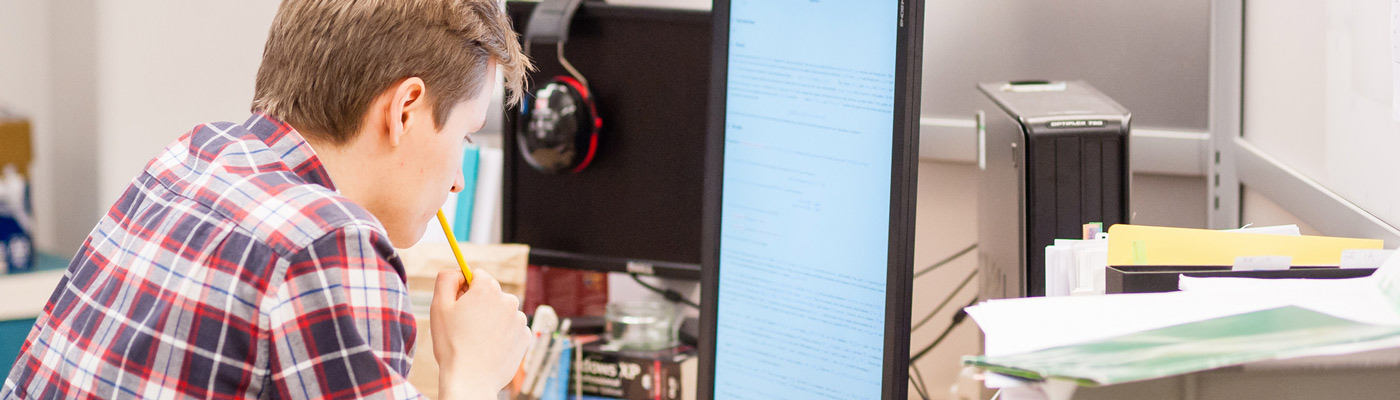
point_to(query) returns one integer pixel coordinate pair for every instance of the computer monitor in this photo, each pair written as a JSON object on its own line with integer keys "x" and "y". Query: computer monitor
{"x": 637, "y": 205}
{"x": 810, "y": 199}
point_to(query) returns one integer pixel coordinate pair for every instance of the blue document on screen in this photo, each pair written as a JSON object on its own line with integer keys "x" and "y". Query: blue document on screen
{"x": 805, "y": 211}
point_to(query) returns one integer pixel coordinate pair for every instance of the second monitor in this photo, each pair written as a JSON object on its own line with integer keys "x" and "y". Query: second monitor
{"x": 637, "y": 205}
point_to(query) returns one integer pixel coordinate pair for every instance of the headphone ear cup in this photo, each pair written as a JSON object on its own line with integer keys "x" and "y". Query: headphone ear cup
{"x": 589, "y": 123}
{"x": 558, "y": 130}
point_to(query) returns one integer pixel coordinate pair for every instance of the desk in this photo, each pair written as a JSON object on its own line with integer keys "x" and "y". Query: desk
{"x": 1366, "y": 375}
{"x": 1238, "y": 383}
{"x": 25, "y": 294}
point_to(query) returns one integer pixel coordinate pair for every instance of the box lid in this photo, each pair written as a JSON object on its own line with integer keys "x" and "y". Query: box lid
{"x": 15, "y": 146}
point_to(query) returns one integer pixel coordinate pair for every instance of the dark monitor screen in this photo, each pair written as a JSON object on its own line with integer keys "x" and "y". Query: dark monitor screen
{"x": 637, "y": 205}
{"x": 807, "y": 284}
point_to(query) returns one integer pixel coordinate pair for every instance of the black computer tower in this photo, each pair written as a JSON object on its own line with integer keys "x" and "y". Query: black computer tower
{"x": 1052, "y": 156}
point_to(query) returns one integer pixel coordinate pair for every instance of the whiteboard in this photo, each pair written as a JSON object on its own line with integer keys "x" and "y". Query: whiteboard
{"x": 1319, "y": 94}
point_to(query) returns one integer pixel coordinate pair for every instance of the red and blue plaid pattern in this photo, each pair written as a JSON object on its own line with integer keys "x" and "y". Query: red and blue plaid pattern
{"x": 230, "y": 268}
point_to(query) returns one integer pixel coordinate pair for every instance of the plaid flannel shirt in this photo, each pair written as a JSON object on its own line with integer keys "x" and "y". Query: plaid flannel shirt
{"x": 230, "y": 268}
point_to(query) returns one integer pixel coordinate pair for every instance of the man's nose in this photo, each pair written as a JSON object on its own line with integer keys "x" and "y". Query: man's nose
{"x": 459, "y": 183}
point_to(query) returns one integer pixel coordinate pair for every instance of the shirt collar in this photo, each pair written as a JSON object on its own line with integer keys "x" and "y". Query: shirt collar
{"x": 290, "y": 146}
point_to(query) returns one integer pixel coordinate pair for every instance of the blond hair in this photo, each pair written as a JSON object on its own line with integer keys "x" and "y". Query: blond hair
{"x": 326, "y": 60}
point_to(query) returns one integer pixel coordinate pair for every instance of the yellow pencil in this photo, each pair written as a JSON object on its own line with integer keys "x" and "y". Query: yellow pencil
{"x": 461, "y": 262}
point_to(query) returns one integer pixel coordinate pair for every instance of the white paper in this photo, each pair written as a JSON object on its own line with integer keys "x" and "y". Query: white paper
{"x": 1356, "y": 299}
{"x": 1091, "y": 258}
{"x": 1367, "y": 258}
{"x": 1262, "y": 263}
{"x": 1022, "y": 325}
{"x": 1075, "y": 267}
{"x": 1286, "y": 230}
{"x": 1059, "y": 270}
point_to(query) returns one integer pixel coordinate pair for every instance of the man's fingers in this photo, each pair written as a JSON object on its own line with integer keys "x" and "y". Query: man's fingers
{"x": 481, "y": 279}
{"x": 449, "y": 284}
{"x": 512, "y": 301}
{"x": 522, "y": 341}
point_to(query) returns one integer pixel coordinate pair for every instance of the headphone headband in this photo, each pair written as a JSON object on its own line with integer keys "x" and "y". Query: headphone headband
{"x": 549, "y": 23}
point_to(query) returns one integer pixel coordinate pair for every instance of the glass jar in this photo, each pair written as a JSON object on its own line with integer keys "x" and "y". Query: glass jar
{"x": 642, "y": 325}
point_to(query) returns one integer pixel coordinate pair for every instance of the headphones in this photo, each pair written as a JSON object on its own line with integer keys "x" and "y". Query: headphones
{"x": 557, "y": 130}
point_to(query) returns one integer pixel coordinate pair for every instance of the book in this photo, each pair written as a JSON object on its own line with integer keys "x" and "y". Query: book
{"x": 462, "y": 225}
{"x": 556, "y": 387}
{"x": 608, "y": 372}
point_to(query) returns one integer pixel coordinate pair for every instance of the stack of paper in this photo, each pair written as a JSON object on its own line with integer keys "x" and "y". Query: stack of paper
{"x": 1155, "y": 245}
{"x": 1214, "y": 322}
{"x": 1078, "y": 267}
{"x": 1275, "y": 333}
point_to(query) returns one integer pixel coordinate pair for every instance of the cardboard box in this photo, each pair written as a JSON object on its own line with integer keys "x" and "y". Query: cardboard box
{"x": 621, "y": 374}
{"x": 16, "y": 215}
{"x": 506, "y": 262}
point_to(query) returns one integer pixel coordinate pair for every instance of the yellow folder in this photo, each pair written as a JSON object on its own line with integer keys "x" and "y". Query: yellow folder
{"x": 1155, "y": 245}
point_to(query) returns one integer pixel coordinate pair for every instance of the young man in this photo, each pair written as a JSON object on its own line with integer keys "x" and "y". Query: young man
{"x": 257, "y": 259}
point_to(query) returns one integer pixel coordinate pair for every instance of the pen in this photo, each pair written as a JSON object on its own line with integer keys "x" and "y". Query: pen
{"x": 534, "y": 386}
{"x": 452, "y": 240}
{"x": 545, "y": 324}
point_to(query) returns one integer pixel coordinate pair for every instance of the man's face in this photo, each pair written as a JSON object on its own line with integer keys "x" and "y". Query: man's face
{"x": 429, "y": 165}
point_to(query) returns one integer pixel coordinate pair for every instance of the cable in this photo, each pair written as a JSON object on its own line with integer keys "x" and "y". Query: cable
{"x": 923, "y": 385}
{"x": 945, "y": 261}
{"x": 917, "y": 390}
{"x": 935, "y": 311}
{"x": 669, "y": 294}
{"x": 957, "y": 319}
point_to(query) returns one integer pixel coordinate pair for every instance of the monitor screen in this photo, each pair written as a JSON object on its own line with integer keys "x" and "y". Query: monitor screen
{"x": 811, "y": 207}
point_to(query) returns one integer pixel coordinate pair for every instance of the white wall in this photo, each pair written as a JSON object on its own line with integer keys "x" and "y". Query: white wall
{"x": 1319, "y": 96}
{"x": 1168, "y": 200}
{"x": 166, "y": 66}
{"x": 47, "y": 73}
{"x": 24, "y": 79}
{"x": 108, "y": 84}
{"x": 73, "y": 139}
{"x": 1258, "y": 210}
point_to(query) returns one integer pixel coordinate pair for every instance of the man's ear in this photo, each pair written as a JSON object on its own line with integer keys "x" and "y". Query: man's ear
{"x": 406, "y": 105}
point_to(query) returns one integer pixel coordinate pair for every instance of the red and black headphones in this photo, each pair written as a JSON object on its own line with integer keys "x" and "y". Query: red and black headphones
{"x": 557, "y": 130}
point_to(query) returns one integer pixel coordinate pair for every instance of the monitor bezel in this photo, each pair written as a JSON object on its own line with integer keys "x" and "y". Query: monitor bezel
{"x": 903, "y": 189}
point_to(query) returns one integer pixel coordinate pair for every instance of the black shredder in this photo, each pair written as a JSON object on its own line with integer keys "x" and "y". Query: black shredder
{"x": 1052, "y": 156}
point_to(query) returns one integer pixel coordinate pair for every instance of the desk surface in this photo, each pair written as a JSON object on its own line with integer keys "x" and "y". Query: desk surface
{"x": 30, "y": 290}
{"x": 25, "y": 295}
{"x": 1242, "y": 383}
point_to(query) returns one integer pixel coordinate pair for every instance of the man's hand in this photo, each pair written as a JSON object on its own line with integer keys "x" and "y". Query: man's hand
{"x": 479, "y": 335}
